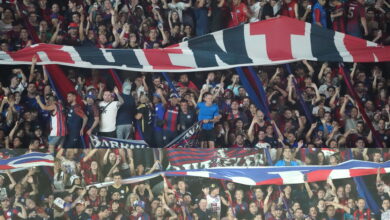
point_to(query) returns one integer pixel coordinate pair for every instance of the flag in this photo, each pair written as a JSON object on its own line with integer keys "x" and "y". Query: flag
{"x": 193, "y": 158}
{"x": 107, "y": 142}
{"x": 275, "y": 175}
{"x": 187, "y": 139}
{"x": 288, "y": 175}
{"x": 269, "y": 42}
{"x": 60, "y": 83}
{"x": 26, "y": 161}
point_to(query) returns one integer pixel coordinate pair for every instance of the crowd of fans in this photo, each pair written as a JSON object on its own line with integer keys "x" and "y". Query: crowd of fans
{"x": 150, "y": 109}
{"x": 79, "y": 174}
{"x": 25, "y": 194}
{"x": 147, "y": 108}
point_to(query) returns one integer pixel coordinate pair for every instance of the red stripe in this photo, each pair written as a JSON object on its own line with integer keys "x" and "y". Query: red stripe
{"x": 318, "y": 175}
{"x": 362, "y": 172}
{"x": 159, "y": 58}
{"x": 276, "y": 181}
{"x": 53, "y": 52}
{"x": 177, "y": 173}
{"x": 6, "y": 167}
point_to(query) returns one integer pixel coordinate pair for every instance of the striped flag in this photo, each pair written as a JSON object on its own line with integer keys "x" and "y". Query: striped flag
{"x": 269, "y": 42}
{"x": 26, "y": 161}
{"x": 276, "y": 175}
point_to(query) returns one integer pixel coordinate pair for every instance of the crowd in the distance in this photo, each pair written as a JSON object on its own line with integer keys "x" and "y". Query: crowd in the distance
{"x": 148, "y": 108}
{"x": 25, "y": 194}
{"x": 78, "y": 174}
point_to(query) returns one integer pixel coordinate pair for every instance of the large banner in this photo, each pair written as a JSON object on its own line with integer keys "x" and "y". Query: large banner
{"x": 269, "y": 42}
{"x": 26, "y": 161}
{"x": 187, "y": 139}
{"x": 275, "y": 175}
{"x": 106, "y": 142}
{"x": 184, "y": 159}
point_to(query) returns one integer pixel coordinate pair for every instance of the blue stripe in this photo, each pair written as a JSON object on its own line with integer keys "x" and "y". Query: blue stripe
{"x": 249, "y": 89}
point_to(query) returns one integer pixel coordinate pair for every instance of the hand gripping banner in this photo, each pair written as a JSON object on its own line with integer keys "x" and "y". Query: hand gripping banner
{"x": 274, "y": 41}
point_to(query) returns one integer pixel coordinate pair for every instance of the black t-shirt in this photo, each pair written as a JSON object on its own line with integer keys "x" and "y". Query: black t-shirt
{"x": 267, "y": 11}
{"x": 145, "y": 123}
{"x": 186, "y": 120}
{"x": 203, "y": 215}
{"x": 123, "y": 191}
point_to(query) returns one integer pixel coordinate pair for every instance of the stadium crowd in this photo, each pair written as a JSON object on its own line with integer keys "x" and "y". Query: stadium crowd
{"x": 25, "y": 194}
{"x": 150, "y": 109}
{"x": 79, "y": 174}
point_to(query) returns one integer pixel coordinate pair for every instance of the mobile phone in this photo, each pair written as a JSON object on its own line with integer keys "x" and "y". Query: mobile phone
{"x": 19, "y": 75}
{"x": 308, "y": 6}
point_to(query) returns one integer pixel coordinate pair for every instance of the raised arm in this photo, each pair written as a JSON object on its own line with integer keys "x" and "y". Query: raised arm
{"x": 32, "y": 68}
{"x": 81, "y": 26}
{"x": 308, "y": 66}
{"x": 251, "y": 136}
{"x": 11, "y": 179}
{"x": 322, "y": 70}
{"x": 354, "y": 67}
{"x": 318, "y": 96}
{"x": 343, "y": 106}
{"x": 55, "y": 34}
{"x": 309, "y": 133}
{"x": 308, "y": 190}
{"x": 89, "y": 155}
{"x": 270, "y": 189}
{"x": 105, "y": 157}
{"x": 332, "y": 101}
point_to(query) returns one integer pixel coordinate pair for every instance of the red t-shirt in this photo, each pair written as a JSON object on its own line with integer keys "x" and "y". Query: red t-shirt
{"x": 355, "y": 12}
{"x": 238, "y": 14}
{"x": 288, "y": 9}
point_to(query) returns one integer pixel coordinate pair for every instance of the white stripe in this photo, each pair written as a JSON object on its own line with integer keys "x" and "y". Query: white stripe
{"x": 108, "y": 56}
{"x": 43, "y": 56}
{"x": 5, "y": 57}
{"x": 339, "y": 174}
{"x": 218, "y": 36}
{"x": 75, "y": 55}
{"x": 198, "y": 173}
{"x": 256, "y": 46}
{"x": 301, "y": 45}
{"x": 292, "y": 177}
{"x": 243, "y": 180}
{"x": 186, "y": 59}
{"x": 339, "y": 43}
{"x": 142, "y": 60}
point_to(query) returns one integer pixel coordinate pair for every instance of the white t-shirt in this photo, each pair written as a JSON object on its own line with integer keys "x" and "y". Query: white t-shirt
{"x": 108, "y": 115}
{"x": 19, "y": 88}
{"x": 214, "y": 204}
{"x": 255, "y": 9}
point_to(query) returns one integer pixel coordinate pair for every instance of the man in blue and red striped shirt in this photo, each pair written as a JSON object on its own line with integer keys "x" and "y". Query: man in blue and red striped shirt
{"x": 170, "y": 119}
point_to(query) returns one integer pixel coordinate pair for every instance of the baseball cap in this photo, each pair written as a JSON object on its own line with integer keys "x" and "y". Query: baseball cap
{"x": 73, "y": 177}
{"x": 174, "y": 95}
{"x": 90, "y": 88}
{"x": 91, "y": 95}
{"x": 213, "y": 186}
{"x": 139, "y": 203}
